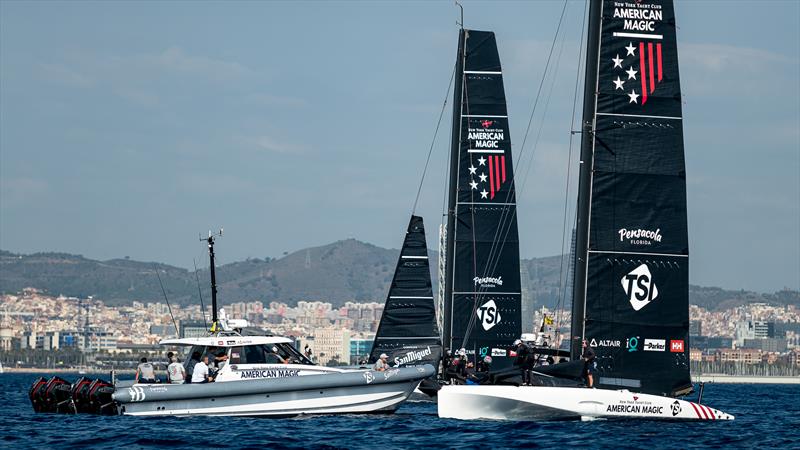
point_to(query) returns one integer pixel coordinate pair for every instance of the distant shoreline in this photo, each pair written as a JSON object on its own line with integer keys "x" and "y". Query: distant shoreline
{"x": 744, "y": 379}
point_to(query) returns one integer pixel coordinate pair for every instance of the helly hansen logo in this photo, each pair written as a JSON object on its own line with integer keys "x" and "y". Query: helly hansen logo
{"x": 676, "y": 346}
{"x": 639, "y": 287}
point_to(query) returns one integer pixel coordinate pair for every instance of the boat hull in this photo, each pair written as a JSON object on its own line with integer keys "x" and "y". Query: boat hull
{"x": 342, "y": 393}
{"x": 539, "y": 403}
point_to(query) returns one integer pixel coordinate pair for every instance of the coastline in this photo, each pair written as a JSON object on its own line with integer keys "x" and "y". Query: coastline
{"x": 744, "y": 379}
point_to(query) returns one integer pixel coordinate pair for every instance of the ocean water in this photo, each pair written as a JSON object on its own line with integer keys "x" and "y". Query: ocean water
{"x": 767, "y": 416}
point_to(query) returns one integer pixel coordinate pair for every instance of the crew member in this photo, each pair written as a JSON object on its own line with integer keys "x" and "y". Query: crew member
{"x": 145, "y": 373}
{"x": 381, "y": 364}
{"x": 485, "y": 365}
{"x": 524, "y": 360}
{"x": 200, "y": 372}
{"x": 589, "y": 364}
{"x": 190, "y": 365}
{"x": 175, "y": 371}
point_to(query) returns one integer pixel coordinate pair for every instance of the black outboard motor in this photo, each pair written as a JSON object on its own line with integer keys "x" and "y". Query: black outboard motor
{"x": 79, "y": 395}
{"x": 50, "y": 395}
{"x": 99, "y": 398}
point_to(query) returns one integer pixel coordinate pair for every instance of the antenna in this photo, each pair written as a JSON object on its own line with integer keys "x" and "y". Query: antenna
{"x": 210, "y": 240}
{"x": 461, "y": 24}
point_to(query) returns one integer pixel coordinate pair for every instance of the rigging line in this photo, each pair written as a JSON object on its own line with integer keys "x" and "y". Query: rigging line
{"x": 493, "y": 252}
{"x": 505, "y": 222}
{"x": 561, "y": 292}
{"x": 200, "y": 293}
{"x": 433, "y": 142}
{"x": 167, "y": 300}
{"x": 512, "y": 187}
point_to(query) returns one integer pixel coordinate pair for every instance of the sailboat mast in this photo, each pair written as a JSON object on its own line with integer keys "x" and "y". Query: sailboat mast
{"x": 590, "y": 90}
{"x": 455, "y": 148}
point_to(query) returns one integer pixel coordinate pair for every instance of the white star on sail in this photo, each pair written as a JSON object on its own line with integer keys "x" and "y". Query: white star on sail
{"x": 482, "y": 161}
{"x": 632, "y": 73}
{"x": 482, "y": 177}
{"x": 617, "y": 62}
{"x": 631, "y": 49}
{"x": 618, "y": 83}
{"x": 484, "y": 194}
{"x": 473, "y": 184}
{"x": 472, "y": 170}
{"x": 633, "y": 95}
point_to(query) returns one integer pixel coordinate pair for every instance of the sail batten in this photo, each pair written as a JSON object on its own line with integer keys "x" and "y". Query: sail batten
{"x": 631, "y": 297}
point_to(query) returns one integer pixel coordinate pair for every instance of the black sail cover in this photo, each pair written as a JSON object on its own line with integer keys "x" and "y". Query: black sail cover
{"x": 407, "y": 332}
{"x": 637, "y": 276}
{"x": 482, "y": 291}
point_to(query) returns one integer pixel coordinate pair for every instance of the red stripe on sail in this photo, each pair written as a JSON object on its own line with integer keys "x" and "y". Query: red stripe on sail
{"x": 503, "y": 164}
{"x": 497, "y": 169}
{"x": 652, "y": 75}
{"x": 658, "y": 54}
{"x": 695, "y": 410}
{"x": 710, "y": 413}
{"x": 642, "y": 72}
{"x": 491, "y": 177}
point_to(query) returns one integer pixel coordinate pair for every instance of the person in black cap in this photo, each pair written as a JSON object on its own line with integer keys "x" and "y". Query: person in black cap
{"x": 589, "y": 364}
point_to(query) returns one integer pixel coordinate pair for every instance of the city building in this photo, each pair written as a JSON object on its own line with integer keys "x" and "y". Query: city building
{"x": 360, "y": 348}
{"x": 752, "y": 329}
{"x": 329, "y": 344}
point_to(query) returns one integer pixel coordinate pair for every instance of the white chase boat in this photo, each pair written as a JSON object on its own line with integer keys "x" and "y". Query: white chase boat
{"x": 255, "y": 382}
{"x": 255, "y": 376}
{"x": 265, "y": 376}
{"x": 631, "y": 279}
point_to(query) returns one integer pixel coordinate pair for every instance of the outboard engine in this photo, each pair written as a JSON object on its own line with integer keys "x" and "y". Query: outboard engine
{"x": 49, "y": 396}
{"x": 99, "y": 398}
{"x": 79, "y": 394}
{"x": 83, "y": 396}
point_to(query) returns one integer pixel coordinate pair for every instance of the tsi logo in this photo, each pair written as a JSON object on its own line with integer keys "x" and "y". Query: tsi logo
{"x": 489, "y": 315}
{"x": 676, "y": 408}
{"x": 639, "y": 287}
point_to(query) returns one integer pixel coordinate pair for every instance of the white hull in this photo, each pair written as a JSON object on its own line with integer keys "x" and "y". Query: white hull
{"x": 336, "y": 401}
{"x": 353, "y": 392}
{"x": 536, "y": 403}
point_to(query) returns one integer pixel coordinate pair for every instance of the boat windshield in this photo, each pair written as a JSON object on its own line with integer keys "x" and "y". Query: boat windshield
{"x": 280, "y": 353}
{"x": 267, "y": 354}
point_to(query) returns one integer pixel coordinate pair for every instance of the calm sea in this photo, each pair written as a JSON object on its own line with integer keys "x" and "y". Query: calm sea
{"x": 766, "y": 416}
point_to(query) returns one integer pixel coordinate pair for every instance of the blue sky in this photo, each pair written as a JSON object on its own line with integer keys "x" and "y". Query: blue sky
{"x": 128, "y": 128}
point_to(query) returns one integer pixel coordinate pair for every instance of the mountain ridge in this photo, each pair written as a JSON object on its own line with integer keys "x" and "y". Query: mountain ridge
{"x": 345, "y": 270}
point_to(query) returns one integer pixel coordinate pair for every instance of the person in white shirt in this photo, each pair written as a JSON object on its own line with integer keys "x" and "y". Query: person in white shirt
{"x": 381, "y": 364}
{"x": 176, "y": 372}
{"x": 200, "y": 373}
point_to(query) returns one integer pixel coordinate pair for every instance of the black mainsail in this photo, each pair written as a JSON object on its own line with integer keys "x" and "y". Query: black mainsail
{"x": 408, "y": 333}
{"x": 630, "y": 297}
{"x": 482, "y": 273}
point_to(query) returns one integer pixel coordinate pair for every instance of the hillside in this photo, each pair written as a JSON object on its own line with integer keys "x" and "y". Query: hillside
{"x": 338, "y": 272}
